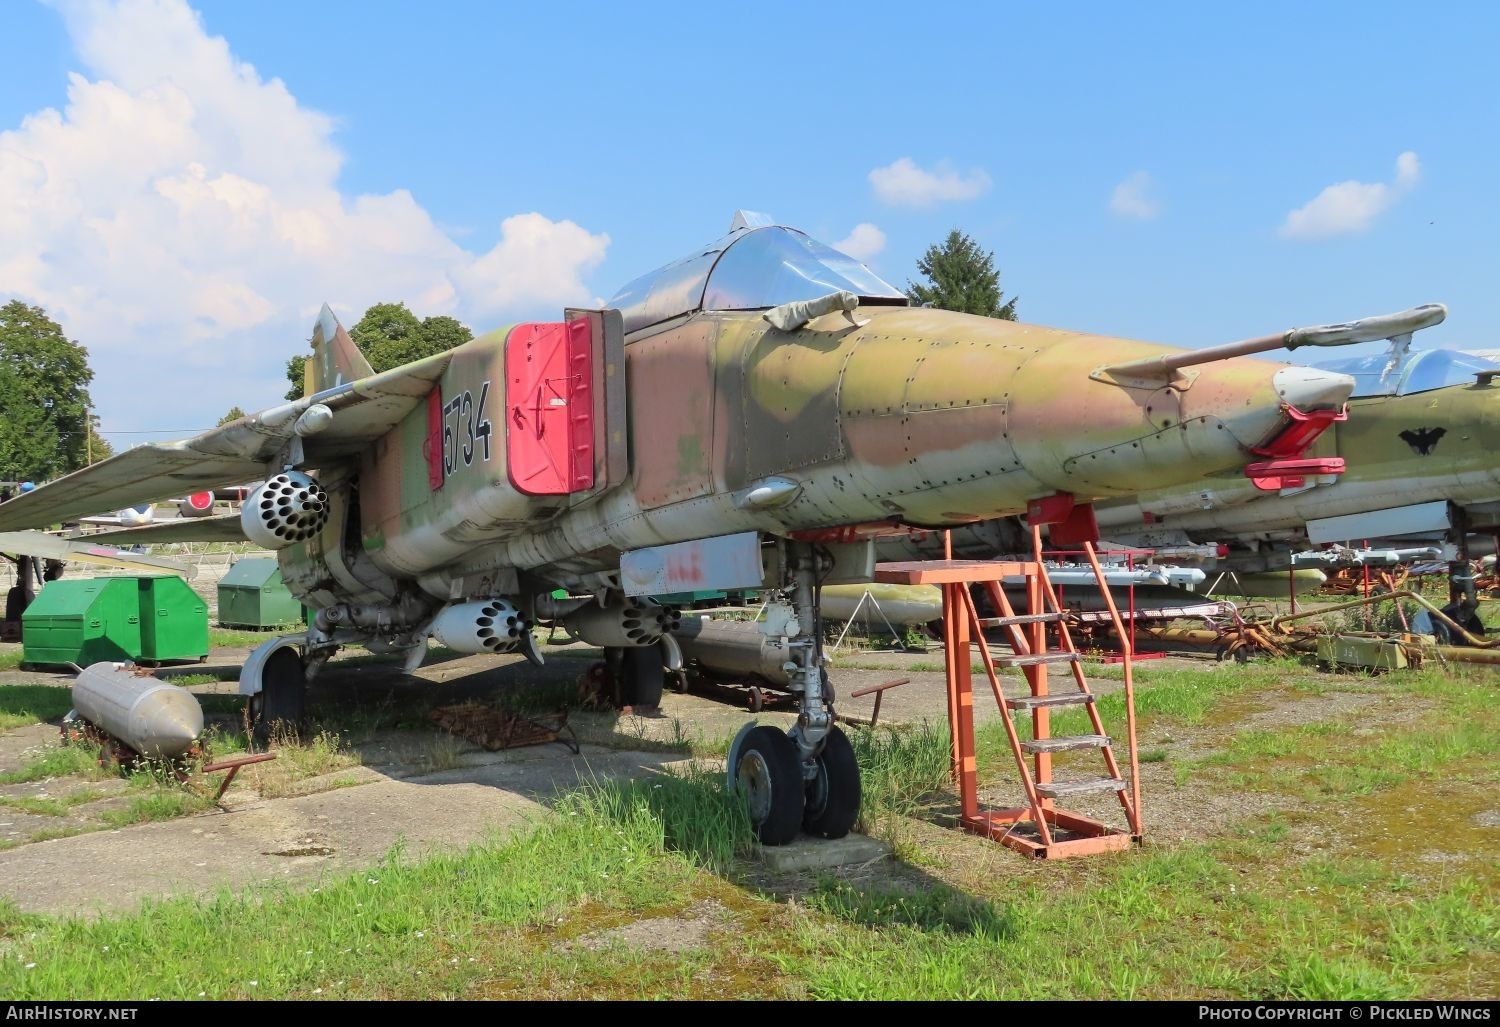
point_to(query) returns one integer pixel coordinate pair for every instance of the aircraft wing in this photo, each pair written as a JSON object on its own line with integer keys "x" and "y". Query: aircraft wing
{"x": 361, "y": 412}
{"x": 225, "y": 528}
{"x": 50, "y": 547}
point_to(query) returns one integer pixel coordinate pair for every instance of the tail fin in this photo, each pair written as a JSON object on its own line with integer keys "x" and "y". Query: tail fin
{"x": 335, "y": 359}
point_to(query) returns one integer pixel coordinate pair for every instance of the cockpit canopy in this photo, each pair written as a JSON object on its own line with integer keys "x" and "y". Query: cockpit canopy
{"x": 749, "y": 269}
{"x": 1420, "y": 370}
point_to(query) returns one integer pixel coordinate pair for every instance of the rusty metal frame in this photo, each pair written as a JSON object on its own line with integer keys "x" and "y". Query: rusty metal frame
{"x": 233, "y": 766}
{"x": 879, "y": 692}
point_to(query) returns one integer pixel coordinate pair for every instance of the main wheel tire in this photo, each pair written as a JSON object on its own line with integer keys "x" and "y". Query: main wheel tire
{"x": 642, "y": 678}
{"x": 833, "y": 796}
{"x": 768, "y": 772}
{"x": 282, "y": 699}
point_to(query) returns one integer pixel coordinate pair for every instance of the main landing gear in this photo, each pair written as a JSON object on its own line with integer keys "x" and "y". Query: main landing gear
{"x": 275, "y": 677}
{"x": 635, "y": 676}
{"x": 806, "y": 778}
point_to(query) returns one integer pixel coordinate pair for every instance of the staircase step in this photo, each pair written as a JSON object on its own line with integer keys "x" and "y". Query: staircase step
{"x": 1032, "y": 659}
{"x": 1064, "y": 743}
{"x": 1057, "y": 789}
{"x": 1024, "y": 618}
{"x": 1031, "y": 702}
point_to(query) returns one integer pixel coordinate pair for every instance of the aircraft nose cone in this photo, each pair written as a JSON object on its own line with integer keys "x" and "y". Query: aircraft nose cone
{"x": 1308, "y": 388}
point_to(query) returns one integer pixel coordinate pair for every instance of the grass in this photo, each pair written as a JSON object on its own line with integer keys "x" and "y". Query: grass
{"x": 1217, "y": 920}
{"x": 444, "y": 751}
{"x": 160, "y": 805}
{"x": 77, "y": 758}
{"x": 1296, "y": 905}
{"x": 903, "y": 772}
{"x": 230, "y": 638}
{"x": 186, "y": 680}
{"x": 296, "y": 761}
{"x": 21, "y": 705}
{"x": 940, "y": 909}
{"x": 51, "y": 807}
{"x": 11, "y": 657}
{"x": 1343, "y": 757}
{"x": 444, "y": 924}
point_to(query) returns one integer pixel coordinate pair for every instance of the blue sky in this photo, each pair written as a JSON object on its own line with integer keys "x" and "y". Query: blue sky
{"x": 1186, "y": 173}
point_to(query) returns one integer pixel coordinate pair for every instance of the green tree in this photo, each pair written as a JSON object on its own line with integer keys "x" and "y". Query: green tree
{"x": 442, "y": 333}
{"x": 97, "y": 448}
{"x": 45, "y": 425}
{"x": 386, "y": 334}
{"x": 294, "y": 374}
{"x": 234, "y": 414}
{"x": 390, "y": 335}
{"x": 961, "y": 276}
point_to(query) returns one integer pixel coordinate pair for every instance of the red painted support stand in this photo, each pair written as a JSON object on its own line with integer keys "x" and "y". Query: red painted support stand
{"x": 1039, "y": 828}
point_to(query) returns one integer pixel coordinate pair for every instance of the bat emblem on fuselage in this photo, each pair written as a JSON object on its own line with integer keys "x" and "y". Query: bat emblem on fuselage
{"x": 1423, "y": 440}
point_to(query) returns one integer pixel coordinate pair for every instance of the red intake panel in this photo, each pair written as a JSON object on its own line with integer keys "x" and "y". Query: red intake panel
{"x": 549, "y": 408}
{"x": 1294, "y": 439}
{"x": 1274, "y": 475}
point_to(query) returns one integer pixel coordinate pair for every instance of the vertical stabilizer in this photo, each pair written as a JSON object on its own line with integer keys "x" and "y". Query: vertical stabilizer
{"x": 335, "y": 359}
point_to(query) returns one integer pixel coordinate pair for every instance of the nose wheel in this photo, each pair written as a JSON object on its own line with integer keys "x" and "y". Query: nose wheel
{"x": 765, "y": 766}
{"x": 833, "y": 793}
{"x": 767, "y": 772}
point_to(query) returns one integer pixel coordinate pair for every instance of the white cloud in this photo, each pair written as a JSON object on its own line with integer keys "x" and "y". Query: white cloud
{"x": 903, "y": 183}
{"x": 182, "y": 212}
{"x": 1132, "y": 198}
{"x": 863, "y": 242}
{"x": 1349, "y": 208}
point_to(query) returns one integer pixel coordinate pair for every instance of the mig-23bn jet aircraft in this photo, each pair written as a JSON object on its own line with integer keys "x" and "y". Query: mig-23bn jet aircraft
{"x": 747, "y": 417}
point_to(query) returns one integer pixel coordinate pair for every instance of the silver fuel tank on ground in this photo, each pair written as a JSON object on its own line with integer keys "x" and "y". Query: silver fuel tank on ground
{"x": 149, "y": 715}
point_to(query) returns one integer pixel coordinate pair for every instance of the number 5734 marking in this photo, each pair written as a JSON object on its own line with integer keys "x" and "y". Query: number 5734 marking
{"x": 466, "y": 430}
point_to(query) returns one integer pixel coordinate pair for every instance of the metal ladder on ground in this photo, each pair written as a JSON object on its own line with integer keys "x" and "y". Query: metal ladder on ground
{"x": 1040, "y": 828}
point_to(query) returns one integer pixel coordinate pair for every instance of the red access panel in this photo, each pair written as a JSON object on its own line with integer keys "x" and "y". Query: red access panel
{"x": 549, "y": 408}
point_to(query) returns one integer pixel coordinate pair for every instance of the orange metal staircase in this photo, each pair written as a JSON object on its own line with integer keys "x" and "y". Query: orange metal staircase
{"x": 1039, "y": 828}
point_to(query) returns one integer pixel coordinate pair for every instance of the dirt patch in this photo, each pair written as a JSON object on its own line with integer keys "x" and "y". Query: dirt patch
{"x": 1296, "y": 710}
{"x": 691, "y": 929}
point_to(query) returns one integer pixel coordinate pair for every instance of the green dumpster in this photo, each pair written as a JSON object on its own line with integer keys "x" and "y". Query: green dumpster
{"x": 251, "y": 595}
{"x": 83, "y": 621}
{"x": 174, "y": 620}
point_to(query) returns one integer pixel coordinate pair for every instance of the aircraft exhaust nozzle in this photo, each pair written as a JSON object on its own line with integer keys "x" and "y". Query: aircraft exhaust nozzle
{"x": 289, "y": 508}
{"x": 150, "y": 716}
{"x": 637, "y": 622}
{"x": 490, "y": 626}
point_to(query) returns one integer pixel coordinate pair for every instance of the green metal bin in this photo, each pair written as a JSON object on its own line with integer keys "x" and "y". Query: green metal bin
{"x": 83, "y": 621}
{"x": 251, "y": 595}
{"x": 174, "y": 619}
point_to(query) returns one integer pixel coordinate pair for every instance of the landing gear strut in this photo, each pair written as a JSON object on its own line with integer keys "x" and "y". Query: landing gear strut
{"x": 807, "y": 777}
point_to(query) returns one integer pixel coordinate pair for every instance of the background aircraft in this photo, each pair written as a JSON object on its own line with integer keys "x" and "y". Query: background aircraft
{"x": 747, "y": 417}
{"x": 199, "y": 504}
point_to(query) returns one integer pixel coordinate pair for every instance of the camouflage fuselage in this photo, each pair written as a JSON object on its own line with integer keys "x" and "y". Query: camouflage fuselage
{"x": 1435, "y": 445}
{"x": 922, "y": 416}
